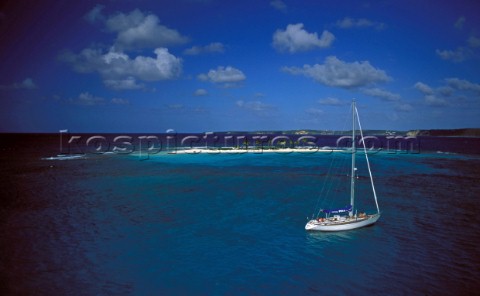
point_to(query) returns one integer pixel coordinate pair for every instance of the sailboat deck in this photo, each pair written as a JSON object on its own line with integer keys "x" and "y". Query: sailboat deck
{"x": 347, "y": 220}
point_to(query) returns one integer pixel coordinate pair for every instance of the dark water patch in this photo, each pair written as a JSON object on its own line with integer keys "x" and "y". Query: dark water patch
{"x": 234, "y": 225}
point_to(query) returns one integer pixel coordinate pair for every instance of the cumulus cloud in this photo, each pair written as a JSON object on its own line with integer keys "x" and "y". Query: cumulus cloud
{"x": 95, "y": 14}
{"x": 459, "y": 23}
{"x": 223, "y": 75}
{"x": 27, "y": 83}
{"x": 87, "y": 99}
{"x": 123, "y": 84}
{"x": 461, "y": 53}
{"x": 314, "y": 112}
{"x": 137, "y": 30}
{"x": 403, "y": 107}
{"x": 455, "y": 91}
{"x": 430, "y": 98}
{"x": 425, "y": 89}
{"x": 200, "y": 92}
{"x": 461, "y": 84}
{"x": 215, "y": 47}
{"x": 458, "y": 55}
{"x": 279, "y": 5}
{"x": 382, "y": 94}
{"x": 119, "y": 101}
{"x": 331, "y": 102}
{"x": 348, "y": 23}
{"x": 119, "y": 71}
{"x": 445, "y": 91}
{"x": 175, "y": 106}
{"x": 337, "y": 73}
{"x": 296, "y": 39}
{"x": 433, "y": 100}
{"x": 257, "y": 106}
{"x": 473, "y": 41}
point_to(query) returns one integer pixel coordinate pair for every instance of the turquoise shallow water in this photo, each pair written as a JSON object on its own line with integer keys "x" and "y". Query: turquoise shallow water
{"x": 234, "y": 225}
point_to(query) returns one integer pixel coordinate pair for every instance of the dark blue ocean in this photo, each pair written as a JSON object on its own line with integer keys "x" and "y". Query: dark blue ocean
{"x": 180, "y": 224}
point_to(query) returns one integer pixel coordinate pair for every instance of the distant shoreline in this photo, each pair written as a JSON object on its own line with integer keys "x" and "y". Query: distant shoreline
{"x": 463, "y": 132}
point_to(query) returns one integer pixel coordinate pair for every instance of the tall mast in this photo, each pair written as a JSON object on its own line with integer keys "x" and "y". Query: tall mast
{"x": 352, "y": 186}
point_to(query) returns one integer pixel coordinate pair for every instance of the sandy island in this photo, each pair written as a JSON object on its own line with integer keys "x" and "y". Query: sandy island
{"x": 199, "y": 150}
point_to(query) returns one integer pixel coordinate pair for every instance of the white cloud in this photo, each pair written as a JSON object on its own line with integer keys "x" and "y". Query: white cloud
{"x": 337, "y": 73}
{"x": 473, "y": 42}
{"x": 459, "y": 23}
{"x": 331, "y": 102}
{"x": 433, "y": 100}
{"x": 200, "y": 92}
{"x": 455, "y": 92}
{"x": 95, "y": 14}
{"x": 123, "y": 84}
{"x": 382, "y": 94}
{"x": 459, "y": 55}
{"x": 137, "y": 30}
{"x": 175, "y": 106}
{"x": 425, "y": 89}
{"x": 87, "y": 99}
{"x": 27, "y": 83}
{"x": 315, "y": 111}
{"x": 257, "y": 106}
{"x": 119, "y": 71}
{"x": 348, "y": 23}
{"x": 225, "y": 75}
{"x": 119, "y": 101}
{"x": 279, "y": 5}
{"x": 215, "y": 47}
{"x": 461, "y": 84}
{"x": 405, "y": 107}
{"x": 445, "y": 91}
{"x": 295, "y": 39}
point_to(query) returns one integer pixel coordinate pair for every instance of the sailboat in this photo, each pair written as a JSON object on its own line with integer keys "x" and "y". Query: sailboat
{"x": 347, "y": 218}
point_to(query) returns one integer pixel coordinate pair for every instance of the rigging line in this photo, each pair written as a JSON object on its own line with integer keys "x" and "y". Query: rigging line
{"x": 331, "y": 177}
{"x": 368, "y": 163}
{"x": 336, "y": 180}
{"x": 321, "y": 198}
{"x": 335, "y": 175}
{"x": 329, "y": 181}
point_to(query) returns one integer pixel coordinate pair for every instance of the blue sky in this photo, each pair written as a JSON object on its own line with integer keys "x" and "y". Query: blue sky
{"x": 197, "y": 66}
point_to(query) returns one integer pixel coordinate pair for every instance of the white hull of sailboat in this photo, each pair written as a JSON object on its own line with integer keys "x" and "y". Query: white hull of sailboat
{"x": 332, "y": 225}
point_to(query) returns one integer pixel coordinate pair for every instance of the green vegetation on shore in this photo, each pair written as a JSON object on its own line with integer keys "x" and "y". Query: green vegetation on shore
{"x": 463, "y": 132}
